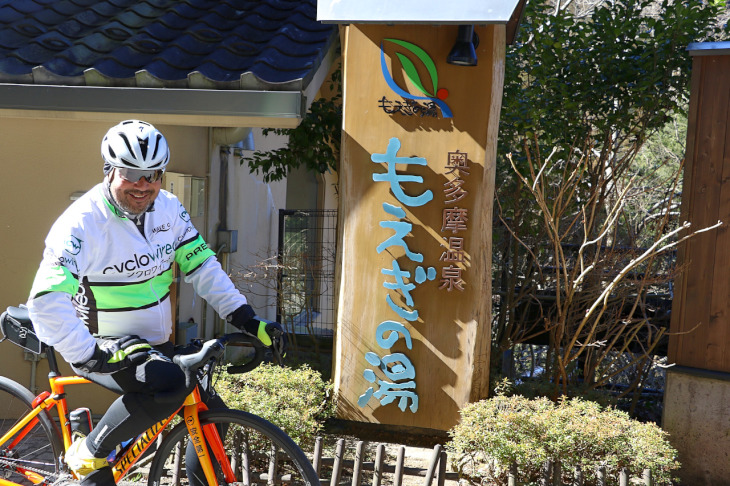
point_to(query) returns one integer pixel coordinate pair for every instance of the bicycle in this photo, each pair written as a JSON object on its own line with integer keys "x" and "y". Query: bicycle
{"x": 232, "y": 446}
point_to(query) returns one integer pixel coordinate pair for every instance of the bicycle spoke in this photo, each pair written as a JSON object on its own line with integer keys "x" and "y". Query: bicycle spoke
{"x": 256, "y": 455}
{"x": 29, "y": 457}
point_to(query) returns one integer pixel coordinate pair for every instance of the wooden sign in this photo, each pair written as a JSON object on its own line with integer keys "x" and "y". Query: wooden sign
{"x": 417, "y": 188}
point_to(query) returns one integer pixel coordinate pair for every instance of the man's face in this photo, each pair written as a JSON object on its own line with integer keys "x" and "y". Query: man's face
{"x": 133, "y": 197}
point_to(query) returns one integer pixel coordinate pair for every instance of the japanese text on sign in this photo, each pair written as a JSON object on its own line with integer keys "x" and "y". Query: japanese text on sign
{"x": 396, "y": 367}
{"x": 454, "y": 221}
{"x": 408, "y": 107}
{"x": 398, "y": 370}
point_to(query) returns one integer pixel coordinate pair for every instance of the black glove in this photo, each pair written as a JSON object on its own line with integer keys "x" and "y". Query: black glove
{"x": 112, "y": 355}
{"x": 269, "y": 333}
{"x": 242, "y": 317}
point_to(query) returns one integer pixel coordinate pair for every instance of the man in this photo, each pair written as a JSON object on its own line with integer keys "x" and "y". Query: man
{"x": 101, "y": 294}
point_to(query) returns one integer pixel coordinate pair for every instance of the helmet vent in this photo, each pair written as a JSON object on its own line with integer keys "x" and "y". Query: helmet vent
{"x": 157, "y": 146}
{"x": 143, "y": 146}
{"x": 128, "y": 162}
{"x": 125, "y": 139}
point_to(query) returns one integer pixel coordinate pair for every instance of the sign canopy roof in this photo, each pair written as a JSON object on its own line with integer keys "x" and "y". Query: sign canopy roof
{"x": 416, "y": 11}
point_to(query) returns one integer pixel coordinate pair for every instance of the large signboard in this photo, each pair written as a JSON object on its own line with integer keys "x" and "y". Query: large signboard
{"x": 417, "y": 183}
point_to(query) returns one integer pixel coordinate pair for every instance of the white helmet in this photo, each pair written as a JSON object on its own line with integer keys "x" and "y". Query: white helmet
{"x": 134, "y": 144}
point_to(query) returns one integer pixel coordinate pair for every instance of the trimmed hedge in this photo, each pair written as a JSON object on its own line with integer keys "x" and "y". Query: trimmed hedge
{"x": 498, "y": 432}
{"x": 298, "y": 401}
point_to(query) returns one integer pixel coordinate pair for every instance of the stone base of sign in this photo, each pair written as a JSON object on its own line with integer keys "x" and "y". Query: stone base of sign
{"x": 410, "y": 436}
{"x": 697, "y": 417}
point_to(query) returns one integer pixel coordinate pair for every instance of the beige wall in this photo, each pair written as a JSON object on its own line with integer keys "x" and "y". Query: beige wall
{"x": 43, "y": 162}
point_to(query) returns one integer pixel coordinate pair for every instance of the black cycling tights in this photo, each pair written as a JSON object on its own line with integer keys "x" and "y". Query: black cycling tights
{"x": 149, "y": 393}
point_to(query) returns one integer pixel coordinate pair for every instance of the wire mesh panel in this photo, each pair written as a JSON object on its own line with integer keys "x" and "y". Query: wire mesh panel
{"x": 307, "y": 248}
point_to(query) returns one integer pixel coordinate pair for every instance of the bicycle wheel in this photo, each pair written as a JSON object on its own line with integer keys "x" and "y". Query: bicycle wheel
{"x": 31, "y": 458}
{"x": 258, "y": 451}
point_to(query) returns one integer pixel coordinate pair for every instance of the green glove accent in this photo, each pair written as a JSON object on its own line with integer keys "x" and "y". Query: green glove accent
{"x": 122, "y": 354}
{"x": 114, "y": 354}
{"x": 263, "y": 335}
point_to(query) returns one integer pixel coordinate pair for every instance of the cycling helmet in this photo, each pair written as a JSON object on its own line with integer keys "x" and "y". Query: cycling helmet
{"x": 134, "y": 144}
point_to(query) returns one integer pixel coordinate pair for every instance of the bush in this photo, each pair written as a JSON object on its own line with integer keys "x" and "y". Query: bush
{"x": 298, "y": 401}
{"x": 496, "y": 433}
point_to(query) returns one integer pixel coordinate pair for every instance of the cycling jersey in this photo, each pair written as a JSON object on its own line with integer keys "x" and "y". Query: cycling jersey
{"x": 102, "y": 275}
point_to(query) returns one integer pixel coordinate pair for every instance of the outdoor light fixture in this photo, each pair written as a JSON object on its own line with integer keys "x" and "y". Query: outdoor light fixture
{"x": 464, "y": 51}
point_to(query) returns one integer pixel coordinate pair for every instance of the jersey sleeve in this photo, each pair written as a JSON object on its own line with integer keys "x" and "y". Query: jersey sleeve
{"x": 56, "y": 282}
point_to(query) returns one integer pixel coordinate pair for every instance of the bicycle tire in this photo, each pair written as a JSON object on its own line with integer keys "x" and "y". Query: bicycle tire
{"x": 39, "y": 451}
{"x": 249, "y": 442}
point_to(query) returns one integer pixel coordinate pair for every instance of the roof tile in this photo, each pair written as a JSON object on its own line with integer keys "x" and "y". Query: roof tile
{"x": 112, "y": 69}
{"x": 8, "y": 15}
{"x": 26, "y": 6}
{"x": 12, "y": 67}
{"x": 210, "y": 44}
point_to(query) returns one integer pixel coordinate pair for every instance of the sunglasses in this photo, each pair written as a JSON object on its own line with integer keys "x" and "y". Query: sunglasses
{"x": 134, "y": 175}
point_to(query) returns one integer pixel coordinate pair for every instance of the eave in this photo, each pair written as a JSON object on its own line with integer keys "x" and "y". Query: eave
{"x": 191, "y": 107}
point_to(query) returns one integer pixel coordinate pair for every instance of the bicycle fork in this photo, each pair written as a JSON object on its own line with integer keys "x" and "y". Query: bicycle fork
{"x": 200, "y": 437}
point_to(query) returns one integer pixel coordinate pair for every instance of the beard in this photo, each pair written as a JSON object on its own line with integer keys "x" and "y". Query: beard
{"x": 135, "y": 202}
{"x": 130, "y": 199}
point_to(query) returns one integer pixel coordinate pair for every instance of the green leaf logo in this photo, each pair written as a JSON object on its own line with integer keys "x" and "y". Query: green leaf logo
{"x": 428, "y": 88}
{"x": 410, "y": 68}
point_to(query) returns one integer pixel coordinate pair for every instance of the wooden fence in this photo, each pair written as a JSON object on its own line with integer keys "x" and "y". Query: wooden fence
{"x": 436, "y": 469}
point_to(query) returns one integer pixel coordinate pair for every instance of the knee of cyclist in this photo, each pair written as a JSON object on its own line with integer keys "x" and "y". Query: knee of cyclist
{"x": 161, "y": 376}
{"x": 172, "y": 397}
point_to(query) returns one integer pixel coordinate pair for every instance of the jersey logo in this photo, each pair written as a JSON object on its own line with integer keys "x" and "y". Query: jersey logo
{"x": 161, "y": 228}
{"x": 73, "y": 245}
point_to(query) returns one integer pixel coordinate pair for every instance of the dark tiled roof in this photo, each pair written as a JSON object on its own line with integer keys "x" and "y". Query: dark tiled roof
{"x": 212, "y": 44}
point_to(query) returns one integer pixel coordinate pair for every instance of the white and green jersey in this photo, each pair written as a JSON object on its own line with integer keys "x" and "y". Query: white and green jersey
{"x": 102, "y": 275}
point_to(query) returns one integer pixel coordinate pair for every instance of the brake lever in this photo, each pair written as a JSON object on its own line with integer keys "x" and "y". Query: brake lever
{"x": 278, "y": 359}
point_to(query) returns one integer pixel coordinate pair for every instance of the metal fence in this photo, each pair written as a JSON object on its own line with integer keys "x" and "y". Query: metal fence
{"x": 307, "y": 249}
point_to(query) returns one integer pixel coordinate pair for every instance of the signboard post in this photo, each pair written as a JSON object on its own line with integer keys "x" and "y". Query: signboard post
{"x": 417, "y": 187}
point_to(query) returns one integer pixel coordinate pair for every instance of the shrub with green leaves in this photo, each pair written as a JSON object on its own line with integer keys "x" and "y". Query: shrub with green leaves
{"x": 298, "y": 401}
{"x": 502, "y": 431}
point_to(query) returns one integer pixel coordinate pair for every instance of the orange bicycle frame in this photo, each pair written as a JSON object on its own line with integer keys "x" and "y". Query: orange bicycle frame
{"x": 22, "y": 428}
{"x": 201, "y": 436}
{"x": 42, "y": 403}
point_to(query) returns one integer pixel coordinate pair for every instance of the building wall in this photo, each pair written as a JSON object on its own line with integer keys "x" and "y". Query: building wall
{"x": 700, "y": 327}
{"x": 252, "y": 211}
{"x": 695, "y": 399}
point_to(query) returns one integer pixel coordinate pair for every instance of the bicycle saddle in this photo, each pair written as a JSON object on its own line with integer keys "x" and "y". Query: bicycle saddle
{"x": 16, "y": 326}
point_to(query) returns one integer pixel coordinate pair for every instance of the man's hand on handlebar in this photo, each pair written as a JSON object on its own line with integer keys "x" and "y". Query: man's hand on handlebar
{"x": 277, "y": 337}
{"x": 271, "y": 334}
